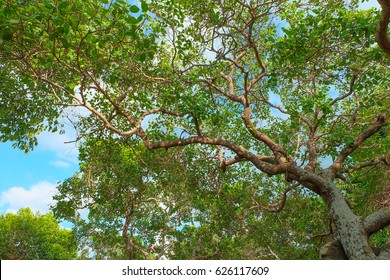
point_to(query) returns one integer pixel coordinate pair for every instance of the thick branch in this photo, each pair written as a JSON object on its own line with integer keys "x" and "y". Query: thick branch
{"x": 377, "y": 220}
{"x": 381, "y": 36}
{"x": 241, "y": 152}
{"x": 235, "y": 160}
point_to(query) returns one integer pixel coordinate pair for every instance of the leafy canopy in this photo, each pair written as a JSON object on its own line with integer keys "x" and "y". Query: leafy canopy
{"x": 297, "y": 89}
{"x": 34, "y": 236}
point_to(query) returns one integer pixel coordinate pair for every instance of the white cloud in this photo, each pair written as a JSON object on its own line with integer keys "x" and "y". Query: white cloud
{"x": 38, "y": 197}
{"x": 61, "y": 163}
{"x": 66, "y": 154}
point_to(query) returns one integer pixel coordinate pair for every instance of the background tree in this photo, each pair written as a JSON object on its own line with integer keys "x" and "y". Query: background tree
{"x": 298, "y": 89}
{"x": 34, "y": 236}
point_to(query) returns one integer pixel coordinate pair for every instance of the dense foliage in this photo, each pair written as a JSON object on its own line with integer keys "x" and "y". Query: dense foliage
{"x": 34, "y": 236}
{"x": 179, "y": 205}
{"x": 270, "y": 99}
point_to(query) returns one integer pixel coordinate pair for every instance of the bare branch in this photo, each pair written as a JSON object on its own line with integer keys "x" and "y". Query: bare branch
{"x": 270, "y": 169}
{"x": 197, "y": 126}
{"x": 273, "y": 253}
{"x": 229, "y": 95}
{"x": 232, "y": 161}
{"x": 275, "y": 148}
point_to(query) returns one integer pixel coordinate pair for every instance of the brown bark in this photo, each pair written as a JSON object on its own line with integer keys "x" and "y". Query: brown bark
{"x": 381, "y": 35}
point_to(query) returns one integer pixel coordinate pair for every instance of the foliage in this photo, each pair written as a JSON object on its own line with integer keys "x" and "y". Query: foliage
{"x": 177, "y": 205}
{"x": 135, "y": 200}
{"x": 34, "y": 236}
{"x": 296, "y": 90}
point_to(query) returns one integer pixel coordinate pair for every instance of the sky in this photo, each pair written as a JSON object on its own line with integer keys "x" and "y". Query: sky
{"x": 30, "y": 180}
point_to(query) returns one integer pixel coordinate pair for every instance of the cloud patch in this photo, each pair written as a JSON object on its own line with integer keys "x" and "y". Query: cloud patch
{"x": 38, "y": 197}
{"x": 61, "y": 163}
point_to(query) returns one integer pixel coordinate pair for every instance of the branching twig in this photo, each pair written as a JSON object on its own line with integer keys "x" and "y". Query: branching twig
{"x": 384, "y": 158}
{"x": 358, "y": 141}
{"x": 277, "y": 207}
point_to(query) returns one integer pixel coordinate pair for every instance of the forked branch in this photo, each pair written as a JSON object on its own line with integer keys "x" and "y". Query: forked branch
{"x": 358, "y": 141}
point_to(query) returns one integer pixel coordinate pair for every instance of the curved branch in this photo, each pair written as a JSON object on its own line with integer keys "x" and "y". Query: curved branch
{"x": 358, "y": 141}
{"x": 274, "y": 147}
{"x": 384, "y": 158}
{"x": 241, "y": 152}
{"x": 268, "y": 159}
{"x": 381, "y": 36}
{"x": 377, "y": 220}
{"x": 351, "y": 88}
{"x": 277, "y": 207}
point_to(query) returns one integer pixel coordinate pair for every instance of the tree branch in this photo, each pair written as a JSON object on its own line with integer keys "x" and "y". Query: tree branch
{"x": 351, "y": 88}
{"x": 381, "y": 36}
{"x": 377, "y": 220}
{"x": 384, "y": 158}
{"x": 258, "y": 161}
{"x": 359, "y": 140}
{"x": 277, "y": 207}
{"x": 275, "y": 148}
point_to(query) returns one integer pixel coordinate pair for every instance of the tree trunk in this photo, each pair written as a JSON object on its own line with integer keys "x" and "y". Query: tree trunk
{"x": 349, "y": 227}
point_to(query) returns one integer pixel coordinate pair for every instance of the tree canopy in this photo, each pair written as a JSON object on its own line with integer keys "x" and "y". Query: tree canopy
{"x": 292, "y": 93}
{"x": 34, "y": 236}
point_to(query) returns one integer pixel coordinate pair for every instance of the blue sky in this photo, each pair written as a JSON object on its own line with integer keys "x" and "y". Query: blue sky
{"x": 29, "y": 180}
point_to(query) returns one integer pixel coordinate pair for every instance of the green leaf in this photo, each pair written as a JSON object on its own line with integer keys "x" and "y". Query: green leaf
{"x": 131, "y": 20}
{"x": 141, "y": 57}
{"x": 134, "y": 9}
{"x": 287, "y": 31}
{"x": 144, "y": 6}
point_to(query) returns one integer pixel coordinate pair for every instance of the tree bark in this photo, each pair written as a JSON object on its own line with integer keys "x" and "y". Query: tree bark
{"x": 381, "y": 36}
{"x": 349, "y": 227}
{"x": 377, "y": 220}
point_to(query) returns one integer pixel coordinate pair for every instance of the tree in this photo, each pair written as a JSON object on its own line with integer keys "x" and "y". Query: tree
{"x": 297, "y": 89}
{"x": 34, "y": 236}
{"x": 134, "y": 207}
{"x": 177, "y": 204}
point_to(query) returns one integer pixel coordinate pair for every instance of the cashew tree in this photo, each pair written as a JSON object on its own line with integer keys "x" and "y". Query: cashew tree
{"x": 298, "y": 89}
